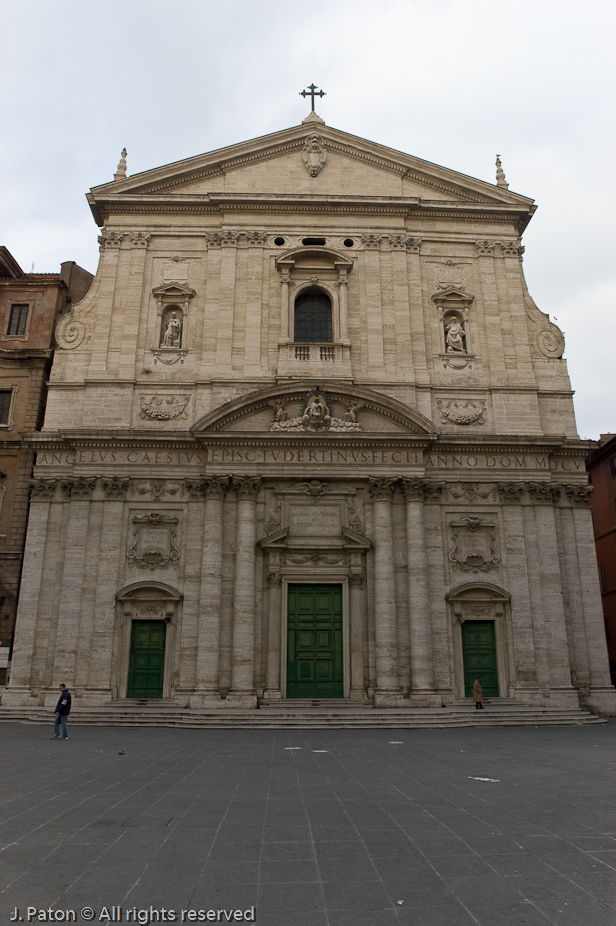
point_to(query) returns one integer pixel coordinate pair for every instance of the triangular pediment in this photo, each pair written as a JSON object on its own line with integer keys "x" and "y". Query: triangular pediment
{"x": 275, "y": 166}
{"x": 173, "y": 289}
{"x": 280, "y": 411}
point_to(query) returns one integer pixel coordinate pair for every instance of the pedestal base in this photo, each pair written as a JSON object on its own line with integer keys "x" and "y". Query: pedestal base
{"x": 600, "y": 701}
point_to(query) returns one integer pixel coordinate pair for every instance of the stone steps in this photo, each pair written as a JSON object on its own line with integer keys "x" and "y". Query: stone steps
{"x": 272, "y": 718}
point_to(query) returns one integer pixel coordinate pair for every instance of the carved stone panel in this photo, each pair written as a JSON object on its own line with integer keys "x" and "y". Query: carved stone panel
{"x": 314, "y": 154}
{"x": 473, "y": 545}
{"x": 462, "y": 411}
{"x": 163, "y": 407}
{"x": 154, "y": 541}
{"x": 314, "y": 520}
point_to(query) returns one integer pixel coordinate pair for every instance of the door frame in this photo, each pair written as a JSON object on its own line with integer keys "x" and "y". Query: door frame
{"x": 284, "y": 633}
{"x": 145, "y": 601}
{"x": 477, "y": 602}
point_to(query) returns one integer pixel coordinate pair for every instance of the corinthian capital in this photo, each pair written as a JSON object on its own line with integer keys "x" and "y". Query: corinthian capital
{"x": 381, "y": 487}
{"x": 247, "y": 486}
{"x": 80, "y": 487}
{"x": 485, "y": 248}
{"x": 215, "y": 486}
{"x": 580, "y": 494}
{"x": 42, "y": 490}
{"x": 544, "y": 493}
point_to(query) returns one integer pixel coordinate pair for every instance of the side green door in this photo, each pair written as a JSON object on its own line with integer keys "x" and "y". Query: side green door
{"x": 479, "y": 649}
{"x": 314, "y": 642}
{"x": 147, "y": 659}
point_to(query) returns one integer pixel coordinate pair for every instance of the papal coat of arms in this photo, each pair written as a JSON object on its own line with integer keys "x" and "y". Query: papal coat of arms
{"x": 314, "y": 154}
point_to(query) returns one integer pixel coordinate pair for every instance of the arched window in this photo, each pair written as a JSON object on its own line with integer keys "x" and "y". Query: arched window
{"x": 313, "y": 317}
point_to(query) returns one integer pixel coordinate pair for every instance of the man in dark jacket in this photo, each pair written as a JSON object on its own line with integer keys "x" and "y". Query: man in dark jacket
{"x": 63, "y": 709}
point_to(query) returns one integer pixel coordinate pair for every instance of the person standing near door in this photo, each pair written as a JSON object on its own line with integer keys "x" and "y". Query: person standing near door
{"x": 478, "y": 693}
{"x": 63, "y": 709}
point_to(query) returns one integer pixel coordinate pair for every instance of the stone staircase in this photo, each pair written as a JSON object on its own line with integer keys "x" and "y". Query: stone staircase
{"x": 305, "y": 715}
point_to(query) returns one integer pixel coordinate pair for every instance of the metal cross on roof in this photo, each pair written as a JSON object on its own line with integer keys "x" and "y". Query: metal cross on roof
{"x": 312, "y": 92}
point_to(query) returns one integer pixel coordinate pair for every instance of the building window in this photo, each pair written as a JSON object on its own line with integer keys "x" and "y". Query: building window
{"x": 17, "y": 320}
{"x": 7, "y": 405}
{"x": 313, "y": 317}
{"x": 6, "y": 408}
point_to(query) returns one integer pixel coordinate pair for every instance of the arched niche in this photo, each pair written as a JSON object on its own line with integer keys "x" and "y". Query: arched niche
{"x": 171, "y": 299}
{"x": 144, "y": 601}
{"x": 482, "y": 602}
{"x": 455, "y": 326}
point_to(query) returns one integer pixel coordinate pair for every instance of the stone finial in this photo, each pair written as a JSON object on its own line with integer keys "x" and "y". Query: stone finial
{"x": 500, "y": 174}
{"x": 313, "y": 117}
{"x": 120, "y": 173}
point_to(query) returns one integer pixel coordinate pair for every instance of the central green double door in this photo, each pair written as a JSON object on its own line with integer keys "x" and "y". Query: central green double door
{"x": 314, "y": 642}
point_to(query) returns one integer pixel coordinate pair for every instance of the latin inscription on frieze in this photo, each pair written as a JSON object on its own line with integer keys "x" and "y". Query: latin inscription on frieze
{"x": 270, "y": 456}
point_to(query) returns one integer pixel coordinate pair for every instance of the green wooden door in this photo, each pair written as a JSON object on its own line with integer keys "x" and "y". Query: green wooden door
{"x": 314, "y": 642}
{"x": 147, "y": 659}
{"x": 479, "y": 648}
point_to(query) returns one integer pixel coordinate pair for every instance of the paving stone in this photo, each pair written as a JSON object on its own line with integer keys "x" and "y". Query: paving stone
{"x": 497, "y": 868}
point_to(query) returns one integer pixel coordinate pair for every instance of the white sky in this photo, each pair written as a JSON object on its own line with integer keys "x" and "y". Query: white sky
{"x": 451, "y": 81}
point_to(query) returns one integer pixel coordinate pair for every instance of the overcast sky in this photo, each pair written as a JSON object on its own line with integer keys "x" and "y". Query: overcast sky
{"x": 451, "y": 81}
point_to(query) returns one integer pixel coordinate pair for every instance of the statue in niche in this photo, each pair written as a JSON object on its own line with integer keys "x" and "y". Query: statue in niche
{"x": 455, "y": 335}
{"x": 172, "y": 336}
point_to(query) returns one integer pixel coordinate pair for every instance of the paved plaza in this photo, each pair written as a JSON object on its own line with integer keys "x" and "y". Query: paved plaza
{"x": 311, "y": 828}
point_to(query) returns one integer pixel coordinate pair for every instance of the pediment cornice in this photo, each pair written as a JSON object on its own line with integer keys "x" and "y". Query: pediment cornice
{"x": 401, "y": 415}
{"x": 166, "y": 183}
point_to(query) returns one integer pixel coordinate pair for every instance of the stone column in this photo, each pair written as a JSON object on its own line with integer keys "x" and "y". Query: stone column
{"x": 272, "y": 669}
{"x": 18, "y": 692}
{"x": 100, "y": 679}
{"x": 343, "y": 281}
{"x": 387, "y": 684}
{"x": 544, "y": 496}
{"x": 242, "y": 692}
{"x": 208, "y": 646}
{"x": 602, "y": 696}
{"x": 356, "y": 633}
{"x": 524, "y": 683}
{"x": 285, "y": 310}
{"x": 79, "y": 491}
{"x": 420, "y": 630}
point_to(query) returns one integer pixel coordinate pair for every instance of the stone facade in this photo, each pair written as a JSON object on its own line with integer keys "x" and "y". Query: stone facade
{"x": 309, "y": 370}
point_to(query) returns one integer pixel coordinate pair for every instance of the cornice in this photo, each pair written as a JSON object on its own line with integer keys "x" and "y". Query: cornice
{"x": 26, "y": 356}
{"x": 368, "y": 210}
{"x": 154, "y": 440}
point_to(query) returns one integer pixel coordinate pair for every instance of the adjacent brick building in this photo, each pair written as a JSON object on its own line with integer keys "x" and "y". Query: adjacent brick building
{"x": 602, "y": 471}
{"x": 30, "y": 305}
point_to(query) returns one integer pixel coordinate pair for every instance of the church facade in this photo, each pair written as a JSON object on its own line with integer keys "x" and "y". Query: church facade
{"x": 309, "y": 437}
